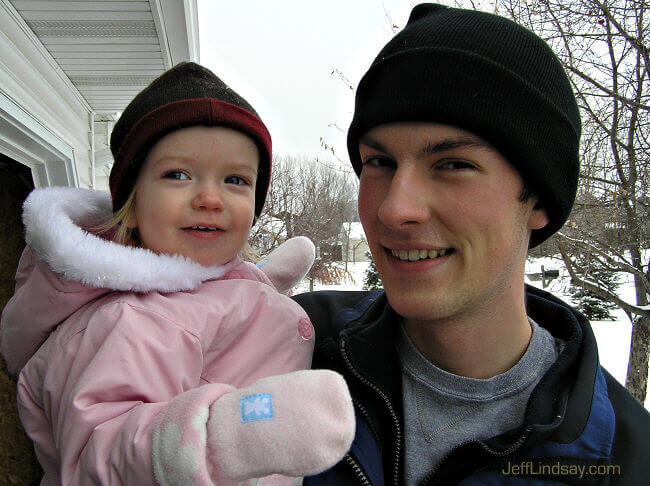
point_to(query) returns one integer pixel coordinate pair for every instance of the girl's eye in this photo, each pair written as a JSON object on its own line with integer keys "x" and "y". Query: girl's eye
{"x": 455, "y": 164}
{"x": 176, "y": 174}
{"x": 240, "y": 181}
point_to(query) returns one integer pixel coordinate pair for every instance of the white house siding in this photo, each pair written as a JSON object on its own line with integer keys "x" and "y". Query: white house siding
{"x": 67, "y": 68}
{"x": 45, "y": 122}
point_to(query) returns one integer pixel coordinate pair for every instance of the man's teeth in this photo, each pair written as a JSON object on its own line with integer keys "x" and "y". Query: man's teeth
{"x": 414, "y": 255}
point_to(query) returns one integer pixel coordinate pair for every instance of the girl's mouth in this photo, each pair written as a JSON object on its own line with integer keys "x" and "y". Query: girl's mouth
{"x": 203, "y": 228}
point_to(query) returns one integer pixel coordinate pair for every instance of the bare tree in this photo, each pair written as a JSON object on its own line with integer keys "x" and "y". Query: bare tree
{"x": 603, "y": 45}
{"x": 312, "y": 198}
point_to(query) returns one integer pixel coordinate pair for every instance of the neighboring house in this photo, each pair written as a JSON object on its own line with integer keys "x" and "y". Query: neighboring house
{"x": 353, "y": 241}
{"x": 616, "y": 231}
{"x": 67, "y": 68}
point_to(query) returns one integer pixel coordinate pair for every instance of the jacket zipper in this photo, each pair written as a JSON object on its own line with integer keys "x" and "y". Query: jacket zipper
{"x": 364, "y": 380}
{"x": 364, "y": 412}
{"x": 516, "y": 445}
{"x": 356, "y": 468}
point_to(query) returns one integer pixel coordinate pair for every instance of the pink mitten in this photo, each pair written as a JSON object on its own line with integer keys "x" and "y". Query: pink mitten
{"x": 295, "y": 424}
{"x": 288, "y": 264}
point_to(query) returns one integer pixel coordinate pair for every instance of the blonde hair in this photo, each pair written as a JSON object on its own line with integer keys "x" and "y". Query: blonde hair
{"x": 119, "y": 224}
{"x": 128, "y": 236}
{"x": 249, "y": 254}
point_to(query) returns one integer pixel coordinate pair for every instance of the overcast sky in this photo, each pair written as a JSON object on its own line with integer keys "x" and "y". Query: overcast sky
{"x": 280, "y": 55}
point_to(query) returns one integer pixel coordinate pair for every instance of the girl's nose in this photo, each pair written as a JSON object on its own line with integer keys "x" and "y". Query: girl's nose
{"x": 208, "y": 197}
{"x": 404, "y": 203}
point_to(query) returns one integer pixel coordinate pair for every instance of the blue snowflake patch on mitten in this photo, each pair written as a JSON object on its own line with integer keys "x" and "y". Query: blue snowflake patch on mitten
{"x": 257, "y": 406}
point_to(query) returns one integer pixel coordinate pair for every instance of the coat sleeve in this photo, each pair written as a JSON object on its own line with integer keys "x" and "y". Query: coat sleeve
{"x": 27, "y": 320}
{"x": 131, "y": 397}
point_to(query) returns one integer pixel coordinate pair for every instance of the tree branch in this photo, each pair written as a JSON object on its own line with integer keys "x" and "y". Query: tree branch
{"x": 606, "y": 294}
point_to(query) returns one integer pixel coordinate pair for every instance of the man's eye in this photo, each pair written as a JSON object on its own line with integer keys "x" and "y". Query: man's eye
{"x": 240, "y": 181}
{"x": 176, "y": 174}
{"x": 378, "y": 162}
{"x": 455, "y": 165}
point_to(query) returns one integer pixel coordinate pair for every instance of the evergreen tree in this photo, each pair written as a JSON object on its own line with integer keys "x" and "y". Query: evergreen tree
{"x": 591, "y": 304}
{"x": 371, "y": 280}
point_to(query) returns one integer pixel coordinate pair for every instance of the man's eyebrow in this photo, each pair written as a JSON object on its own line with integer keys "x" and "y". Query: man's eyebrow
{"x": 431, "y": 147}
{"x": 453, "y": 143}
{"x": 369, "y": 142}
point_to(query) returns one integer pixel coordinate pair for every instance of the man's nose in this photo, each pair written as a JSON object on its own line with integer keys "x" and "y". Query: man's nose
{"x": 405, "y": 202}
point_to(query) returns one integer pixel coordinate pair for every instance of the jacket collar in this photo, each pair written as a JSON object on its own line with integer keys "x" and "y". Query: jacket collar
{"x": 371, "y": 340}
{"x": 56, "y": 228}
{"x": 560, "y": 403}
{"x": 569, "y": 384}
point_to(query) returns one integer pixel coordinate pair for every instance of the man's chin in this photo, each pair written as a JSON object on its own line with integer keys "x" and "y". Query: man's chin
{"x": 415, "y": 305}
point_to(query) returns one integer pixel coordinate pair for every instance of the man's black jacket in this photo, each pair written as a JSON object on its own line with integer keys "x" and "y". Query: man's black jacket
{"x": 581, "y": 426}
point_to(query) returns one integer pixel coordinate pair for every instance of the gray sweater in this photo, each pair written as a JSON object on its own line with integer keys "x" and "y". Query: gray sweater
{"x": 443, "y": 410}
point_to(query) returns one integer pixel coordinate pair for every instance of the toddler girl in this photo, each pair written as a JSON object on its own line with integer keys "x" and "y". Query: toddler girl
{"x": 151, "y": 352}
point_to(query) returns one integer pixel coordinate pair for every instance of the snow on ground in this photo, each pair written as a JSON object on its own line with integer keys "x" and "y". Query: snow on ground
{"x": 613, "y": 337}
{"x": 354, "y": 282}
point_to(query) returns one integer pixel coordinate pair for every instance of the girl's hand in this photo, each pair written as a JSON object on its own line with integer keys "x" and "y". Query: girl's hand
{"x": 288, "y": 264}
{"x": 296, "y": 424}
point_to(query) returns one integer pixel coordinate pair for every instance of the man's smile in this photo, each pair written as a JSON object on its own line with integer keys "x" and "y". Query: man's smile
{"x": 415, "y": 255}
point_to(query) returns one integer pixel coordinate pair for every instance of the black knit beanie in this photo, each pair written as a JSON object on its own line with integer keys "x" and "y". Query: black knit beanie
{"x": 487, "y": 75}
{"x": 186, "y": 95}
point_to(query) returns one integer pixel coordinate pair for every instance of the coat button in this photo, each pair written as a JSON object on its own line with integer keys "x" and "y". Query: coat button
{"x": 305, "y": 329}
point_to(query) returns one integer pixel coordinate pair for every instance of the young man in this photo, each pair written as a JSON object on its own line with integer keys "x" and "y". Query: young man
{"x": 465, "y": 137}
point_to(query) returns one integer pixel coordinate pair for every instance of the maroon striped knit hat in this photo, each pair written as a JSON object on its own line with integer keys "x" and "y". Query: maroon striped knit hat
{"x": 184, "y": 96}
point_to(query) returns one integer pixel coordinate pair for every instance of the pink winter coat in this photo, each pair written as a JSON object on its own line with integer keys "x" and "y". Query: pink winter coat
{"x": 105, "y": 336}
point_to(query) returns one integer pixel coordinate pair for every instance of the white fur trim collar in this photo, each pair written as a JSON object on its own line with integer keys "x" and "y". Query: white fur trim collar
{"x": 54, "y": 218}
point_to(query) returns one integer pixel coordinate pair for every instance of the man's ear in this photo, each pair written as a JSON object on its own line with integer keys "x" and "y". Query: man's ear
{"x": 538, "y": 217}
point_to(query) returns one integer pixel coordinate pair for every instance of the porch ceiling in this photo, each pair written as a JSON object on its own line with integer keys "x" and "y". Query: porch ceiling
{"x": 110, "y": 50}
